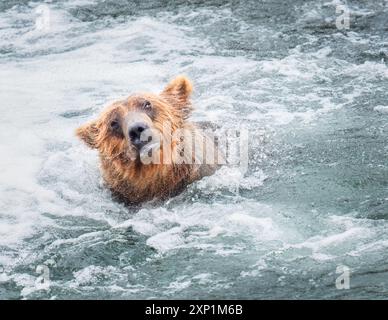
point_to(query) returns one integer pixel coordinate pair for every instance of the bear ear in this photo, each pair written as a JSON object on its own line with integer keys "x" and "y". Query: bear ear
{"x": 177, "y": 92}
{"x": 88, "y": 133}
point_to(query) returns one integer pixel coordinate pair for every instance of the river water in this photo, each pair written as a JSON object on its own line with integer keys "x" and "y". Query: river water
{"x": 311, "y": 208}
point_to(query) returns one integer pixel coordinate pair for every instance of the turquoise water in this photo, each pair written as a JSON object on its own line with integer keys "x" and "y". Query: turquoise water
{"x": 315, "y": 195}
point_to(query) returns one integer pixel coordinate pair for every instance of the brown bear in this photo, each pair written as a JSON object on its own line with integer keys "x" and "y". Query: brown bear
{"x": 147, "y": 146}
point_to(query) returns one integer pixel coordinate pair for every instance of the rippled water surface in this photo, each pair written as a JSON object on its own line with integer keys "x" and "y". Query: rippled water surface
{"x": 315, "y": 195}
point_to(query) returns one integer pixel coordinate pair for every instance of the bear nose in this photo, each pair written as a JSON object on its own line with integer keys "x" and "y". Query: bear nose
{"x": 134, "y": 133}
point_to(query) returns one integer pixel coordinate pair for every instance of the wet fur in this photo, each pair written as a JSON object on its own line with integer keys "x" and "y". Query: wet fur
{"x": 128, "y": 178}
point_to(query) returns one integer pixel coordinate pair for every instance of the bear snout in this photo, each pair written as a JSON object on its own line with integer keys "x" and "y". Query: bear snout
{"x": 137, "y": 133}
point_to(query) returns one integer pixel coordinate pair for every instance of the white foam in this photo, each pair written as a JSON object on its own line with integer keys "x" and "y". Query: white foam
{"x": 167, "y": 240}
{"x": 381, "y": 109}
{"x": 179, "y": 285}
{"x": 232, "y": 178}
{"x": 248, "y": 220}
{"x": 91, "y": 275}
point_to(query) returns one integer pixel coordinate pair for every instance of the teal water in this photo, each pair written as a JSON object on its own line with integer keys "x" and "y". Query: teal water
{"x": 314, "y": 198}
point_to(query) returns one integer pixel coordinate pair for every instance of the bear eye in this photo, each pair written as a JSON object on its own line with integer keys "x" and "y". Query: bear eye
{"x": 115, "y": 125}
{"x": 147, "y": 105}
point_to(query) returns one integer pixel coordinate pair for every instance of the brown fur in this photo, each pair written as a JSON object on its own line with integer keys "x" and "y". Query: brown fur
{"x": 126, "y": 176}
